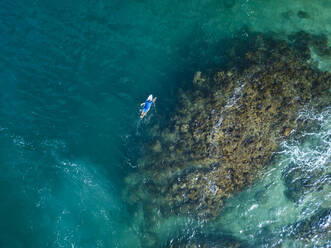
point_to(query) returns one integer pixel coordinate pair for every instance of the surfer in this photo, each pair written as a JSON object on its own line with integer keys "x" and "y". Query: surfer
{"x": 147, "y": 105}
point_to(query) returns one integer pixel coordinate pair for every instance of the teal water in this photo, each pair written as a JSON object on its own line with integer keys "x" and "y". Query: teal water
{"x": 72, "y": 76}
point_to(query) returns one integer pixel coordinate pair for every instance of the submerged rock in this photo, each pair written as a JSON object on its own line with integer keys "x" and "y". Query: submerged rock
{"x": 302, "y": 180}
{"x": 229, "y": 3}
{"x": 303, "y": 14}
{"x": 316, "y": 226}
{"x": 226, "y": 129}
{"x": 208, "y": 241}
{"x": 305, "y": 41}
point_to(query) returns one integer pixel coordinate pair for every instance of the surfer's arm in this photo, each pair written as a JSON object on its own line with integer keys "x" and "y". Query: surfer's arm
{"x": 154, "y": 100}
{"x": 142, "y": 105}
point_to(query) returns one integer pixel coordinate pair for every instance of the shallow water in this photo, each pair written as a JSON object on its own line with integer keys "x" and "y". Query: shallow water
{"x": 72, "y": 76}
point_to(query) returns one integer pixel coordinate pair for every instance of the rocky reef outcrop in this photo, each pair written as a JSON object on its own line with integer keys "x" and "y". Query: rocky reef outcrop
{"x": 225, "y": 130}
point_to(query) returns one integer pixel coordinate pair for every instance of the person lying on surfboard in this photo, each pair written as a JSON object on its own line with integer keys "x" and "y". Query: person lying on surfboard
{"x": 147, "y": 105}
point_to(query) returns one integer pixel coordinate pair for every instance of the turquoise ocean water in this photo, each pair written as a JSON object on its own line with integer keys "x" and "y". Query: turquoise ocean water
{"x": 72, "y": 76}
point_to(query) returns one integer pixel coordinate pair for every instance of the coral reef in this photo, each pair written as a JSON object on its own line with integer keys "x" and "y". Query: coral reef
{"x": 226, "y": 129}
